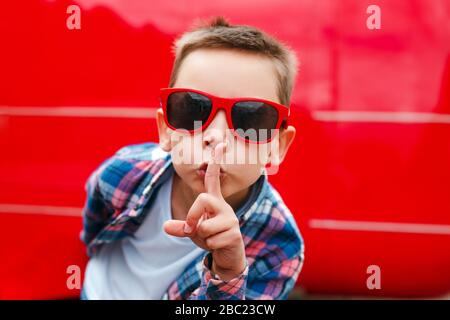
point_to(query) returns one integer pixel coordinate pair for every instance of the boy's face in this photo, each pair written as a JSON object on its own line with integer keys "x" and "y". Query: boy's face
{"x": 228, "y": 74}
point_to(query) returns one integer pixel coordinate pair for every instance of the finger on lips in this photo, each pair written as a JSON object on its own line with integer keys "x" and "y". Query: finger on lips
{"x": 207, "y": 201}
{"x": 212, "y": 174}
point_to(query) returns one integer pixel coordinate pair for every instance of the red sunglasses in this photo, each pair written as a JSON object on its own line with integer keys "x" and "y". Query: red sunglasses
{"x": 254, "y": 120}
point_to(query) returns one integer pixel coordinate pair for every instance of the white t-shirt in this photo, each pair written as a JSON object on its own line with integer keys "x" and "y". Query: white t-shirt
{"x": 144, "y": 265}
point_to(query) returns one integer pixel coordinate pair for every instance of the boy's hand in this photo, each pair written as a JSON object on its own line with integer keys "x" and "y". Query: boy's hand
{"x": 212, "y": 224}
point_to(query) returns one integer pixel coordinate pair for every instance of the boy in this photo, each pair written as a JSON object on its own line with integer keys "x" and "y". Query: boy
{"x": 181, "y": 220}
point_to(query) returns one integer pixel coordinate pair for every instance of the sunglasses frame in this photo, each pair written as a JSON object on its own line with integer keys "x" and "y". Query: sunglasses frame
{"x": 227, "y": 105}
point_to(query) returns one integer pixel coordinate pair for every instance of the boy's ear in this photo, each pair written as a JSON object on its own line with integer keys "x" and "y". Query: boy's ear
{"x": 163, "y": 131}
{"x": 285, "y": 139}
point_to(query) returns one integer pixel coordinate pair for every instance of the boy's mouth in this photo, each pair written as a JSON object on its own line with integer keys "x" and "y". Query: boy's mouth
{"x": 201, "y": 171}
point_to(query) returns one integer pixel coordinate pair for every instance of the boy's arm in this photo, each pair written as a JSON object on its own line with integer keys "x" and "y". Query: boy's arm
{"x": 277, "y": 256}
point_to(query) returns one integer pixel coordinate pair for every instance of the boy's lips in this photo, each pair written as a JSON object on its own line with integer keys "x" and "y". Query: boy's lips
{"x": 201, "y": 170}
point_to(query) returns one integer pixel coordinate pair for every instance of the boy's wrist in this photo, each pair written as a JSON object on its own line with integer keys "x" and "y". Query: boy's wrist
{"x": 228, "y": 274}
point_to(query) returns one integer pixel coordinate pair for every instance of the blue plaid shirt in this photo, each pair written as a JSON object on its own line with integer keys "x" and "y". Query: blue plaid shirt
{"x": 120, "y": 190}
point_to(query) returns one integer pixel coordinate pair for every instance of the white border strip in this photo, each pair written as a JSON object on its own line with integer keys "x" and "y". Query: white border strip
{"x": 385, "y": 117}
{"x": 85, "y": 112}
{"x": 347, "y": 225}
{"x": 40, "y": 210}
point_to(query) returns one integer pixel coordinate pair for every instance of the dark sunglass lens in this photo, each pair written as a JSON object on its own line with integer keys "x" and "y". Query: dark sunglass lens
{"x": 188, "y": 110}
{"x": 254, "y": 120}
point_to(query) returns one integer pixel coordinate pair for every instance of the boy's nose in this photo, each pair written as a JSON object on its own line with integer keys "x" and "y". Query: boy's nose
{"x": 216, "y": 132}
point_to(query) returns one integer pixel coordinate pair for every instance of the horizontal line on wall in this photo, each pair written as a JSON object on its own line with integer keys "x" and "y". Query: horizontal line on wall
{"x": 328, "y": 224}
{"x": 145, "y": 113}
{"x": 40, "y": 209}
{"x": 85, "y": 112}
{"x": 381, "y": 116}
{"x": 376, "y": 226}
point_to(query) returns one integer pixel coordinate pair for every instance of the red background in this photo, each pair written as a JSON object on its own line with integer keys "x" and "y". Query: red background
{"x": 372, "y": 110}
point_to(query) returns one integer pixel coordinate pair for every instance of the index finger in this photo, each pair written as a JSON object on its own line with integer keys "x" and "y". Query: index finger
{"x": 212, "y": 174}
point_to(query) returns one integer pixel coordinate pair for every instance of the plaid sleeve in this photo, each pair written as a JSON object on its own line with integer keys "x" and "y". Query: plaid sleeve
{"x": 277, "y": 252}
{"x": 277, "y": 282}
{"x": 214, "y": 288}
{"x": 274, "y": 251}
{"x": 96, "y": 212}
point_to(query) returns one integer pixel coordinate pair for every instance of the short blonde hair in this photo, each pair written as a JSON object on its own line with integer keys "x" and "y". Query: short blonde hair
{"x": 218, "y": 33}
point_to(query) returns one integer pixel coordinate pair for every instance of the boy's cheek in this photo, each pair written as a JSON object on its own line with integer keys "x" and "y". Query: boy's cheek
{"x": 240, "y": 160}
{"x": 241, "y": 153}
{"x": 251, "y": 155}
{"x": 238, "y": 178}
{"x": 186, "y": 149}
